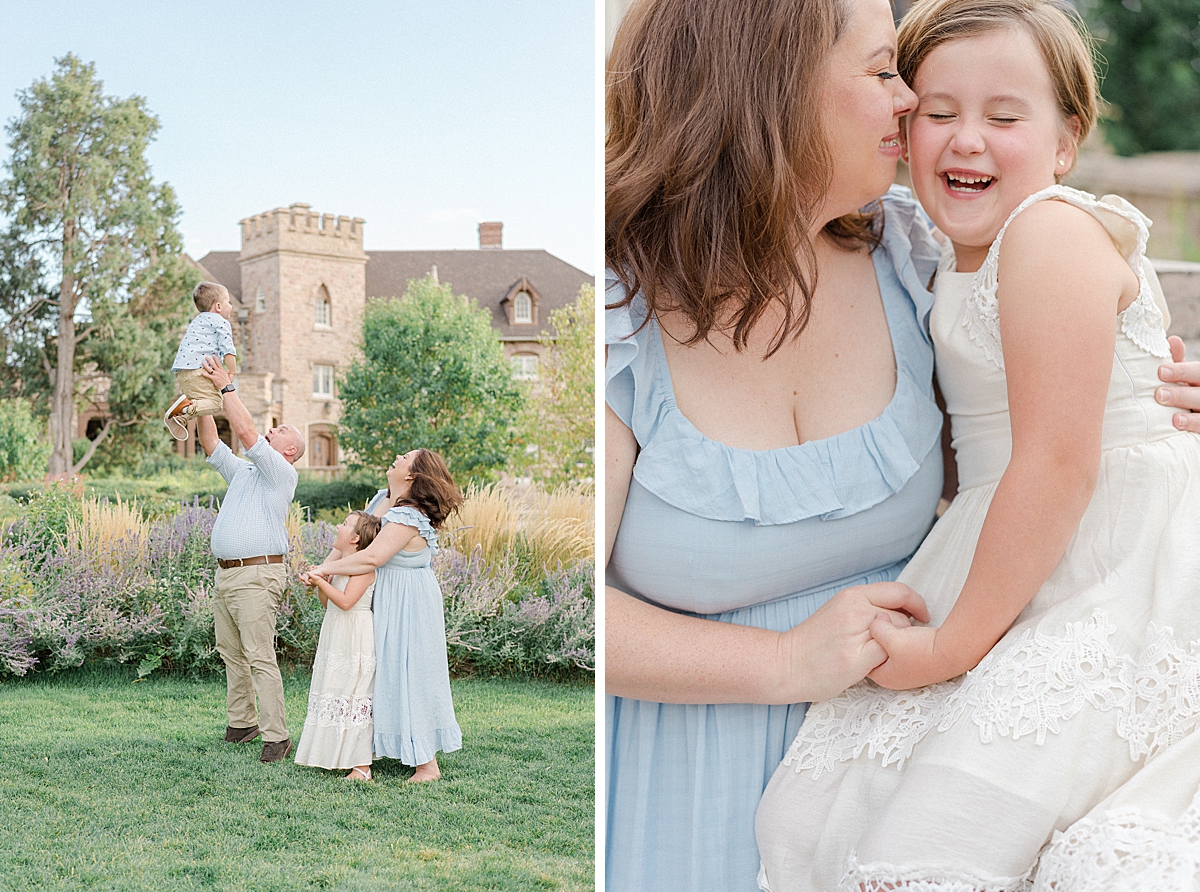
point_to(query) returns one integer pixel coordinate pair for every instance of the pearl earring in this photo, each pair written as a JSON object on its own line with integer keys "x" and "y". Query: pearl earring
{"x": 1061, "y": 163}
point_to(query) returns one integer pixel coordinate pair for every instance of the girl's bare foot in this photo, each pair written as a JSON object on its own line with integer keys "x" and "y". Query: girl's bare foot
{"x": 427, "y": 772}
{"x": 360, "y": 772}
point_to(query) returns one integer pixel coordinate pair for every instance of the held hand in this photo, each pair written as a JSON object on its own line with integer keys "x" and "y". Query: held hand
{"x": 834, "y": 648}
{"x": 306, "y": 578}
{"x": 913, "y": 658}
{"x": 318, "y": 570}
{"x": 212, "y": 369}
{"x": 1186, "y": 395}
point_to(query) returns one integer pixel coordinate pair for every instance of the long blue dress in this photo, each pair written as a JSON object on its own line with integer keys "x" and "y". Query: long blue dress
{"x": 759, "y": 538}
{"x": 413, "y": 710}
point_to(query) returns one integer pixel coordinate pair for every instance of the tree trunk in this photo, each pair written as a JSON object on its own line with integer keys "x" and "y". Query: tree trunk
{"x": 62, "y": 401}
{"x": 95, "y": 444}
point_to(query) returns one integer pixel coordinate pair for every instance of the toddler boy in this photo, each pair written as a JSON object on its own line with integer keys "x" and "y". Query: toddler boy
{"x": 209, "y": 334}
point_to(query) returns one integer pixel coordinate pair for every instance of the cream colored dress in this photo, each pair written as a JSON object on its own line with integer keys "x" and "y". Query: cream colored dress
{"x": 339, "y": 727}
{"x": 960, "y": 785}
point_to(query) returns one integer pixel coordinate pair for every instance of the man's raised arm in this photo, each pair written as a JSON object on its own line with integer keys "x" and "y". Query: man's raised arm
{"x": 240, "y": 421}
{"x": 207, "y": 429}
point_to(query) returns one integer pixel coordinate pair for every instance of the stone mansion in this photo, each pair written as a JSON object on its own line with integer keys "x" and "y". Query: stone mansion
{"x": 300, "y": 283}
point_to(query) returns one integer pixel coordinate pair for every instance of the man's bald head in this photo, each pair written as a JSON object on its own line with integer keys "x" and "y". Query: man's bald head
{"x": 287, "y": 441}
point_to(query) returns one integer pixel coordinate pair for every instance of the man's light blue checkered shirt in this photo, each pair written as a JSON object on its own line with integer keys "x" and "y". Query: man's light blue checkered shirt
{"x": 209, "y": 334}
{"x": 252, "y": 519}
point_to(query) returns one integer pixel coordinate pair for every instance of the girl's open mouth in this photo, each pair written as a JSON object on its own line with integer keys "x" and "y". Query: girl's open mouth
{"x": 961, "y": 182}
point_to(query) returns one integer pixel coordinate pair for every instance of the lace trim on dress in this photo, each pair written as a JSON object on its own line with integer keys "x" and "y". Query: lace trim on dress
{"x": 338, "y": 712}
{"x": 1142, "y": 321}
{"x": 1031, "y": 688}
{"x": 880, "y": 877}
{"x": 1125, "y": 850}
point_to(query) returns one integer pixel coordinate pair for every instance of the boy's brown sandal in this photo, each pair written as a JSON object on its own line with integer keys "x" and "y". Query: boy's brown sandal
{"x": 276, "y": 751}
{"x": 240, "y": 735}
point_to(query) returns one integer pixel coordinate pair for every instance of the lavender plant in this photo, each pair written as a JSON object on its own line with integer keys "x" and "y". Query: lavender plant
{"x": 149, "y": 602}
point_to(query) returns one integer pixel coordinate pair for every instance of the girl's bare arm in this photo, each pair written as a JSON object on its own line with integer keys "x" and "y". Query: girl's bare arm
{"x": 1057, "y": 388}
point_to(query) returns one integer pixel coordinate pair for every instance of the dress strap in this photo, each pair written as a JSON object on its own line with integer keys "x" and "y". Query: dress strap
{"x": 1144, "y": 321}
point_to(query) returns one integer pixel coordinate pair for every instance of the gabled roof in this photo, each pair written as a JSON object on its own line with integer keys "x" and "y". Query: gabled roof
{"x": 222, "y": 267}
{"x": 487, "y": 275}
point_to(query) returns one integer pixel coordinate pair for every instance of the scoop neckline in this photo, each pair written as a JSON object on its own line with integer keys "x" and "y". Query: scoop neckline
{"x": 808, "y": 445}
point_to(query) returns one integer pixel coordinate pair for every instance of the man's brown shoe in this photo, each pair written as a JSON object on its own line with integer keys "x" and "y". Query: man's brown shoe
{"x": 276, "y": 750}
{"x": 240, "y": 735}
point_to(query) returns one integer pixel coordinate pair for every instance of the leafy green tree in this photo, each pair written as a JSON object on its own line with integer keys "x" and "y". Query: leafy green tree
{"x": 432, "y": 375}
{"x": 23, "y": 446}
{"x": 86, "y": 212}
{"x": 1151, "y": 53}
{"x": 560, "y": 410}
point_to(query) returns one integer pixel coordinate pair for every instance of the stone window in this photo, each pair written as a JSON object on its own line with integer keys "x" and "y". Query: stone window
{"x": 260, "y": 301}
{"x": 323, "y": 382}
{"x": 323, "y": 316}
{"x": 523, "y": 307}
{"x": 524, "y": 366}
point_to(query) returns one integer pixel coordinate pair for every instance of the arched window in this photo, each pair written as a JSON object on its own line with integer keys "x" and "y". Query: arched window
{"x": 323, "y": 316}
{"x": 260, "y": 301}
{"x": 324, "y": 449}
{"x": 523, "y": 307}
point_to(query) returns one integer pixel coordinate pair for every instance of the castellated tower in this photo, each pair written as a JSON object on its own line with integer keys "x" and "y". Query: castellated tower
{"x": 304, "y": 286}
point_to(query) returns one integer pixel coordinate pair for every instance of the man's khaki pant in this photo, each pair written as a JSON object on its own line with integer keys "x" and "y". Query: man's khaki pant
{"x": 247, "y": 601}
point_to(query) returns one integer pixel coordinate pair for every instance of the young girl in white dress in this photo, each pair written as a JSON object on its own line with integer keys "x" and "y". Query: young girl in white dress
{"x": 338, "y": 729}
{"x": 1069, "y": 551}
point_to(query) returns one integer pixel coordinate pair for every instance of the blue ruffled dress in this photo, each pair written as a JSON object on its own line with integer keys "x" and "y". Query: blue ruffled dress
{"x": 413, "y": 710}
{"x": 759, "y": 538}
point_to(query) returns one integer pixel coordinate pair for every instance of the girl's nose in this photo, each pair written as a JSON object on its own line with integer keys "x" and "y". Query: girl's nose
{"x": 967, "y": 140}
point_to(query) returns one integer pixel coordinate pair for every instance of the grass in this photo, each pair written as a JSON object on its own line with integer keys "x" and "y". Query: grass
{"x": 120, "y": 785}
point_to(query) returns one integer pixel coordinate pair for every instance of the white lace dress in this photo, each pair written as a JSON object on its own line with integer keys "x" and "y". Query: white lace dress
{"x": 338, "y": 728}
{"x": 960, "y": 785}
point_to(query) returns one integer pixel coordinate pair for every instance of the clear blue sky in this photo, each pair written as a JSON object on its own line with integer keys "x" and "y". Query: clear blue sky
{"x": 424, "y": 118}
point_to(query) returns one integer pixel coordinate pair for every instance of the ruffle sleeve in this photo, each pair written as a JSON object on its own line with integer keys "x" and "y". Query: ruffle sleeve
{"x": 409, "y": 516}
{"x": 831, "y": 478}
{"x": 915, "y": 254}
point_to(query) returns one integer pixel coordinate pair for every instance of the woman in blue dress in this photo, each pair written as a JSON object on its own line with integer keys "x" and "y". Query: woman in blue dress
{"x": 771, "y": 430}
{"x": 412, "y": 708}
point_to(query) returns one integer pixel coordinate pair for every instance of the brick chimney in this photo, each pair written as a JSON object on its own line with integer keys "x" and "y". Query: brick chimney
{"x": 489, "y": 236}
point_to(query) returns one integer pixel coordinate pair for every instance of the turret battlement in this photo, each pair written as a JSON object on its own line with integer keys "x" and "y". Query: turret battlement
{"x": 301, "y": 229}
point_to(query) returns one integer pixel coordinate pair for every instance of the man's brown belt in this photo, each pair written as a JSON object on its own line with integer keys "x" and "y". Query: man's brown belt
{"x": 251, "y": 561}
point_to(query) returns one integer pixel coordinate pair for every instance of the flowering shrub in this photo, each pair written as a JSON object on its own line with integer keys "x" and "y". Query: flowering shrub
{"x": 496, "y": 625}
{"x": 68, "y": 597}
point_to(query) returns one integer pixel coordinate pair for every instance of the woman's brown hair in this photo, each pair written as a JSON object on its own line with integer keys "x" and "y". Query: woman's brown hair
{"x": 366, "y": 529}
{"x": 715, "y": 159}
{"x": 1060, "y": 35}
{"x": 433, "y": 491}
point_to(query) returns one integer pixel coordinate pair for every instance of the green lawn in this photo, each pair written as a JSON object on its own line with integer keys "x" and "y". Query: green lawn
{"x": 108, "y": 783}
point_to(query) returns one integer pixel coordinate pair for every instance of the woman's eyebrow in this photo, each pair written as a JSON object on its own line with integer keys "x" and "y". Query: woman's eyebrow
{"x": 886, "y": 50}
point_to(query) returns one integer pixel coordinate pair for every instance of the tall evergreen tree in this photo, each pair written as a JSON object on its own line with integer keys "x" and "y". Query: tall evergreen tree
{"x": 83, "y": 204}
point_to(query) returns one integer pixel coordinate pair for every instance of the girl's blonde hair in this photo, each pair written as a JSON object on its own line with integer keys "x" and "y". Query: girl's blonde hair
{"x": 1062, "y": 38}
{"x": 366, "y": 528}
